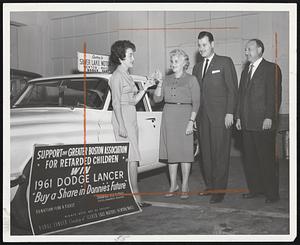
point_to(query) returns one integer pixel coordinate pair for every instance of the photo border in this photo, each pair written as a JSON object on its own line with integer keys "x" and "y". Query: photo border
{"x": 291, "y": 8}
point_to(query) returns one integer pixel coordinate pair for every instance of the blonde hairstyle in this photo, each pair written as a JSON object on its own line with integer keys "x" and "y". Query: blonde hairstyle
{"x": 180, "y": 52}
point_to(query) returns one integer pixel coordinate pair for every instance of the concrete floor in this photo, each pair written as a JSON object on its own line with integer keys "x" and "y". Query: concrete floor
{"x": 195, "y": 216}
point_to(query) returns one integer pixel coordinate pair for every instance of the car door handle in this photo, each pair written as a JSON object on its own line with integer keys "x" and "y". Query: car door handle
{"x": 153, "y": 119}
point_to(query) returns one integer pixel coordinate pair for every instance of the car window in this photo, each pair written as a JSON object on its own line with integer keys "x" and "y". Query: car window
{"x": 155, "y": 106}
{"x": 66, "y": 92}
{"x": 140, "y": 106}
{"x": 18, "y": 82}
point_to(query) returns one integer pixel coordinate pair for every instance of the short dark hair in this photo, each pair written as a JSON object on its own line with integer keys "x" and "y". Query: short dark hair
{"x": 118, "y": 51}
{"x": 206, "y": 34}
{"x": 259, "y": 43}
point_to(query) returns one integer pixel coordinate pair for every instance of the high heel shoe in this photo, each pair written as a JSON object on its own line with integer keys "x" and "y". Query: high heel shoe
{"x": 172, "y": 193}
{"x": 184, "y": 195}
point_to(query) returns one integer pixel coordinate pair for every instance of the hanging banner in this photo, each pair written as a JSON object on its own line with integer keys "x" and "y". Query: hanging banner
{"x": 94, "y": 62}
{"x": 64, "y": 192}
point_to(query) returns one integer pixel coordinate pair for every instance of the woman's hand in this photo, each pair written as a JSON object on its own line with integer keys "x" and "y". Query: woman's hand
{"x": 123, "y": 132}
{"x": 149, "y": 83}
{"x": 189, "y": 128}
{"x": 157, "y": 77}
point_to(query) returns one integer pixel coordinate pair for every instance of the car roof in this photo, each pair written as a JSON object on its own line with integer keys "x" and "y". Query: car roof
{"x": 81, "y": 75}
{"x": 18, "y": 72}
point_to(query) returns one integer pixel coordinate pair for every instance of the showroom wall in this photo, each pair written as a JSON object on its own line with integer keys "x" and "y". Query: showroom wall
{"x": 47, "y": 42}
{"x": 32, "y": 46}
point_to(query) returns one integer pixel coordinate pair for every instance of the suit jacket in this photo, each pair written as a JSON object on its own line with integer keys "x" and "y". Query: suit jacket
{"x": 261, "y": 98}
{"x": 219, "y": 89}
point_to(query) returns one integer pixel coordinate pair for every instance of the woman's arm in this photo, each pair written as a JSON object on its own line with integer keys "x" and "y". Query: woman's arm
{"x": 158, "y": 93}
{"x": 195, "y": 92}
{"x": 116, "y": 92}
{"x": 139, "y": 95}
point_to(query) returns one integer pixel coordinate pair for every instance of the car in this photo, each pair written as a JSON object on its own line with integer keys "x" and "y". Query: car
{"x": 50, "y": 111}
{"x": 18, "y": 81}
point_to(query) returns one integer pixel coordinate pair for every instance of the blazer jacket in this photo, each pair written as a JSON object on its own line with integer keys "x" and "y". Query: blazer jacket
{"x": 219, "y": 89}
{"x": 261, "y": 97}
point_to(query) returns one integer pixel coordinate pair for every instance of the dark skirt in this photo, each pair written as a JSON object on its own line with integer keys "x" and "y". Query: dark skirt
{"x": 175, "y": 146}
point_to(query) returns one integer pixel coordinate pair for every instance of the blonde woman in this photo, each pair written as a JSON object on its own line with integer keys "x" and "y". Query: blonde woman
{"x": 181, "y": 94}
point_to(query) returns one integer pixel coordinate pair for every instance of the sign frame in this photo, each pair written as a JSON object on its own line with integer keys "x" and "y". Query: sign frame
{"x": 94, "y": 62}
{"x": 110, "y": 197}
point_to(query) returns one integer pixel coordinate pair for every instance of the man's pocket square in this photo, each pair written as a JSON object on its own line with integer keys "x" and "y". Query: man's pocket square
{"x": 215, "y": 71}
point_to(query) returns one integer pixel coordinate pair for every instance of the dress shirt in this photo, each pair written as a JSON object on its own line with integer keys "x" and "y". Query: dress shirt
{"x": 209, "y": 60}
{"x": 255, "y": 65}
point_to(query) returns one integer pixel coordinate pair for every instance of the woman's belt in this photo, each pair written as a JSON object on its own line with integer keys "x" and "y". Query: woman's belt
{"x": 127, "y": 103}
{"x": 178, "y": 103}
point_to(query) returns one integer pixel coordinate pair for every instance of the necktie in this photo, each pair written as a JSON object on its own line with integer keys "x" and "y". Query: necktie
{"x": 205, "y": 68}
{"x": 249, "y": 74}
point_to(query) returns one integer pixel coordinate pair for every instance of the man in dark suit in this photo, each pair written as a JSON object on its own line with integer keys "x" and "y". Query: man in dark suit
{"x": 258, "y": 105}
{"x": 218, "y": 84}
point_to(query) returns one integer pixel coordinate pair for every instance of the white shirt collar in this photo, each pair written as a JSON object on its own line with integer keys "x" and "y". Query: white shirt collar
{"x": 257, "y": 62}
{"x": 210, "y": 58}
{"x": 255, "y": 65}
{"x": 204, "y": 62}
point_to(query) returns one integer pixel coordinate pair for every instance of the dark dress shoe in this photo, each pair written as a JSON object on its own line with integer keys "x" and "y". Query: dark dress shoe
{"x": 144, "y": 204}
{"x": 249, "y": 195}
{"x": 272, "y": 200}
{"x": 216, "y": 198}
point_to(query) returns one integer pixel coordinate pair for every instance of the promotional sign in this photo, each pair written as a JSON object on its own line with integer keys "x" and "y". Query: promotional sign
{"x": 73, "y": 185}
{"x": 94, "y": 62}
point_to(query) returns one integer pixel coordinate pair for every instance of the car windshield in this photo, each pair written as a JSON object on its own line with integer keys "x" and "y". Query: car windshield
{"x": 18, "y": 82}
{"x": 65, "y": 93}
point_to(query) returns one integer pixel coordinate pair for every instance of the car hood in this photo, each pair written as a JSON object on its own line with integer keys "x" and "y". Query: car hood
{"x": 21, "y": 116}
{"x": 44, "y": 126}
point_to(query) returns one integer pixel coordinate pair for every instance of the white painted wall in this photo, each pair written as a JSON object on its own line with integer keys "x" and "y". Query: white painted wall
{"x": 48, "y": 42}
{"x": 13, "y": 46}
{"x": 33, "y": 42}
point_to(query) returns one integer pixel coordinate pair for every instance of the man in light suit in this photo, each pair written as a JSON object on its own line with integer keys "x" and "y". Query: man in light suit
{"x": 258, "y": 105}
{"x": 218, "y": 84}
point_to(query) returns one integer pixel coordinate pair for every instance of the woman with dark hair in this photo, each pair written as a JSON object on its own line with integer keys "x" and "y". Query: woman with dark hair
{"x": 181, "y": 94}
{"x": 125, "y": 96}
